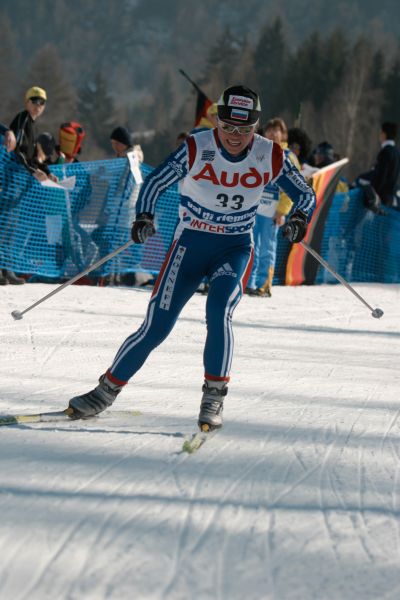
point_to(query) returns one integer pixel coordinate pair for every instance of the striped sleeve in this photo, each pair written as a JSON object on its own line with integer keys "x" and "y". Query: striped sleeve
{"x": 291, "y": 181}
{"x": 173, "y": 169}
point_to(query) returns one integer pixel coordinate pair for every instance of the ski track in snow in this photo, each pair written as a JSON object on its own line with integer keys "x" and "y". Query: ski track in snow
{"x": 297, "y": 498}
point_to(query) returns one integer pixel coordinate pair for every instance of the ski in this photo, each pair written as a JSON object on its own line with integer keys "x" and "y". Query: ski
{"x": 197, "y": 440}
{"x": 61, "y": 415}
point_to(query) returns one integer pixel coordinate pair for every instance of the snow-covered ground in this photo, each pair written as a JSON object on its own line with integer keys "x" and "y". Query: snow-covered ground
{"x": 298, "y": 497}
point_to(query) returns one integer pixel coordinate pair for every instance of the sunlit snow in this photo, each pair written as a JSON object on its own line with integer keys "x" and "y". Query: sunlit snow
{"x": 298, "y": 497}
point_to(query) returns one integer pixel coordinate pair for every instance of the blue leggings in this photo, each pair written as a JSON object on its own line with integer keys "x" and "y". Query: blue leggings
{"x": 226, "y": 261}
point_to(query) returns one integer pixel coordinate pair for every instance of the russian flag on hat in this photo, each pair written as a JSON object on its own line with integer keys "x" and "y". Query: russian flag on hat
{"x": 239, "y": 103}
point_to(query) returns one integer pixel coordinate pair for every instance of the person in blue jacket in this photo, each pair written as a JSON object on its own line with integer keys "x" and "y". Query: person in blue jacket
{"x": 221, "y": 173}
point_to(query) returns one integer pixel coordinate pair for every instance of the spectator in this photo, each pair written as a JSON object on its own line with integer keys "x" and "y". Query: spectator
{"x": 271, "y": 213}
{"x": 384, "y": 176}
{"x": 300, "y": 144}
{"x": 212, "y": 114}
{"x": 46, "y": 149}
{"x": 23, "y": 127}
{"x": 121, "y": 142}
{"x": 71, "y": 136}
{"x": 24, "y": 130}
{"x": 323, "y": 155}
{"x": 211, "y": 118}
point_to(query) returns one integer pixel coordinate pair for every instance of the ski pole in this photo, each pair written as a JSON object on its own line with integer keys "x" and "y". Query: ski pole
{"x": 17, "y": 314}
{"x": 377, "y": 313}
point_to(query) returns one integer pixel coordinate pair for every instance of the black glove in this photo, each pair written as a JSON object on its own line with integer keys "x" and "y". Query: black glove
{"x": 296, "y": 227}
{"x": 142, "y": 228}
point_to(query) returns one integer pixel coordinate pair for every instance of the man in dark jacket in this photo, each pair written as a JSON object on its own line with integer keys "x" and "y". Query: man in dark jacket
{"x": 23, "y": 126}
{"x": 22, "y": 131}
{"x": 384, "y": 176}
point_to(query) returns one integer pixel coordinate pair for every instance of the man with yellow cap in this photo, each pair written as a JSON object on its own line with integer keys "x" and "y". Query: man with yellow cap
{"x": 23, "y": 127}
{"x": 21, "y": 138}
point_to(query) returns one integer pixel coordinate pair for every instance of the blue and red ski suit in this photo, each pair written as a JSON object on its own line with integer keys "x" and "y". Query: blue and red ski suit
{"x": 219, "y": 197}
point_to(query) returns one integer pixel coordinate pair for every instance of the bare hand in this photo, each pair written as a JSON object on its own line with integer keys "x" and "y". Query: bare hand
{"x": 53, "y": 177}
{"x": 9, "y": 140}
{"x": 40, "y": 175}
{"x": 279, "y": 219}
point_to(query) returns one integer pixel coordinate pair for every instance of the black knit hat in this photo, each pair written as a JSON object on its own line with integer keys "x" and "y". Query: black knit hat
{"x": 122, "y": 135}
{"x": 325, "y": 149}
{"x": 240, "y": 105}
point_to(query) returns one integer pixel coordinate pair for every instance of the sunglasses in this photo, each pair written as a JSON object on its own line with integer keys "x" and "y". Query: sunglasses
{"x": 241, "y": 129}
{"x": 38, "y": 101}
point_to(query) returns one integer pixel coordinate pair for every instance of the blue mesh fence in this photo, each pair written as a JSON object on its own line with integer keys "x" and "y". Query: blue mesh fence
{"x": 359, "y": 244}
{"x": 57, "y": 233}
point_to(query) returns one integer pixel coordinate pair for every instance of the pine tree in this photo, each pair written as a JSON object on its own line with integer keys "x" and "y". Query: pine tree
{"x": 163, "y": 105}
{"x": 222, "y": 62}
{"x": 349, "y": 119}
{"x": 377, "y": 75}
{"x": 245, "y": 71}
{"x": 270, "y": 61}
{"x": 391, "y": 94}
{"x": 303, "y": 81}
{"x": 96, "y": 113}
{"x": 335, "y": 53}
{"x": 9, "y": 56}
{"x": 312, "y": 75}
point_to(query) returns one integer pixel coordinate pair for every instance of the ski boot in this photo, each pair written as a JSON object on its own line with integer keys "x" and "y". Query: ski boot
{"x": 263, "y": 292}
{"x": 212, "y": 404}
{"x": 94, "y": 402}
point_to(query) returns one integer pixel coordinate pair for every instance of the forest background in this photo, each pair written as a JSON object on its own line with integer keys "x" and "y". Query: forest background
{"x": 332, "y": 68}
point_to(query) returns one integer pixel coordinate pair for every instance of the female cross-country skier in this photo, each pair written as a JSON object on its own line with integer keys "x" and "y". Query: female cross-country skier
{"x": 222, "y": 174}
